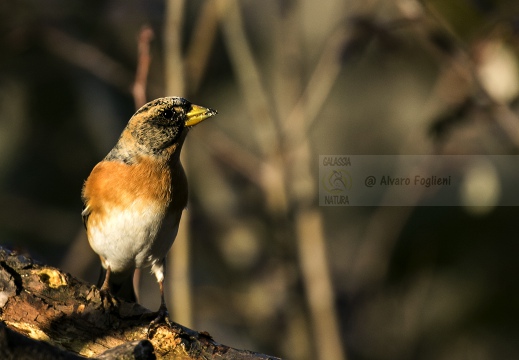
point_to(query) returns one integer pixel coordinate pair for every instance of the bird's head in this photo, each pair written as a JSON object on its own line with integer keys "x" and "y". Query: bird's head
{"x": 162, "y": 124}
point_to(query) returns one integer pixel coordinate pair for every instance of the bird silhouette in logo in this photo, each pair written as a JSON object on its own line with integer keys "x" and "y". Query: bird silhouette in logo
{"x": 338, "y": 181}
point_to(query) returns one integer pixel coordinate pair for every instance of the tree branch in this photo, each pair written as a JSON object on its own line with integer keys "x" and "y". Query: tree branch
{"x": 46, "y": 305}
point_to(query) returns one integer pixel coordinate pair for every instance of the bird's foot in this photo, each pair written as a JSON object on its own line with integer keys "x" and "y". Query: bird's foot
{"x": 108, "y": 302}
{"x": 162, "y": 317}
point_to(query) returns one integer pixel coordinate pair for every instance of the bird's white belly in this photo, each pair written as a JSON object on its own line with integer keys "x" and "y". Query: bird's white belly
{"x": 134, "y": 237}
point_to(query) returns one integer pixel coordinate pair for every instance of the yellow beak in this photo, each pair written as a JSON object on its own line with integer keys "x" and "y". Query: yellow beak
{"x": 198, "y": 114}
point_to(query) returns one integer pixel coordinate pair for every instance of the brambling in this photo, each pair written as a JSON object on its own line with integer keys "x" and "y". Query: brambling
{"x": 135, "y": 196}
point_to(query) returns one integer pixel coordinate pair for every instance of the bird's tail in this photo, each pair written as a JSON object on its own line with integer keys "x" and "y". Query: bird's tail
{"x": 120, "y": 286}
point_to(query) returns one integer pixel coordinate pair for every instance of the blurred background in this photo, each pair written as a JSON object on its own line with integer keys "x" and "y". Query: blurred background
{"x": 258, "y": 264}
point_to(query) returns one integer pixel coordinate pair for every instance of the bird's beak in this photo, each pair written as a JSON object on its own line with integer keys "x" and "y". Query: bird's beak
{"x": 198, "y": 114}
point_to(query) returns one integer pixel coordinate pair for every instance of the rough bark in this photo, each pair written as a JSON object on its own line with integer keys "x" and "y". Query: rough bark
{"x": 49, "y": 314}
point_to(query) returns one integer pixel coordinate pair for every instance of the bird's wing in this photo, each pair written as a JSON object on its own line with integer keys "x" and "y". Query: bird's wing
{"x": 85, "y": 214}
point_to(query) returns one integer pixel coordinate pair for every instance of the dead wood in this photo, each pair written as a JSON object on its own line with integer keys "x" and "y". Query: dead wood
{"x": 49, "y": 314}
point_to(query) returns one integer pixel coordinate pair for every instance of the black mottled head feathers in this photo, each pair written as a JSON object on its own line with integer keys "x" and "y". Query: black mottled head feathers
{"x": 159, "y": 124}
{"x": 158, "y": 128}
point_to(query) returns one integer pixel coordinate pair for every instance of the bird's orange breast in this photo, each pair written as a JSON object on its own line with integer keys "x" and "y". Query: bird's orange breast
{"x": 115, "y": 185}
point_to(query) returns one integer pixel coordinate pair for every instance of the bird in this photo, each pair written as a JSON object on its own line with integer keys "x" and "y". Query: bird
{"x": 134, "y": 198}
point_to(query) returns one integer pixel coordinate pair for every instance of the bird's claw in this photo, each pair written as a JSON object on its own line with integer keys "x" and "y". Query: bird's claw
{"x": 162, "y": 317}
{"x": 108, "y": 302}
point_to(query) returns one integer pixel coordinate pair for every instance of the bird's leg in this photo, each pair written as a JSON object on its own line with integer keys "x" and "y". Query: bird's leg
{"x": 162, "y": 313}
{"x": 107, "y": 300}
{"x": 106, "y": 297}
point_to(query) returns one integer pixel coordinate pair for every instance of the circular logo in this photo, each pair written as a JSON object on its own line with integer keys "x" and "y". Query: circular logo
{"x": 336, "y": 181}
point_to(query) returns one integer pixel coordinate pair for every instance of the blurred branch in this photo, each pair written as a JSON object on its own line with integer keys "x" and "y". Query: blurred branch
{"x": 178, "y": 261}
{"x": 248, "y": 75}
{"x": 88, "y": 57}
{"x": 143, "y": 66}
{"x": 310, "y": 237}
{"x": 318, "y": 88}
{"x": 260, "y": 107}
{"x": 279, "y": 174}
{"x": 509, "y": 122}
{"x": 464, "y": 61}
{"x": 173, "y": 59}
{"x": 318, "y": 284}
{"x": 200, "y": 45}
{"x": 235, "y": 155}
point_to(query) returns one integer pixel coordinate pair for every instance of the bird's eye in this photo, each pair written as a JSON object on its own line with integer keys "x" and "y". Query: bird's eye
{"x": 168, "y": 114}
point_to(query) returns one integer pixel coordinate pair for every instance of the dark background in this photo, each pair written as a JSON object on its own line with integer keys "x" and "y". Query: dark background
{"x": 291, "y": 80}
